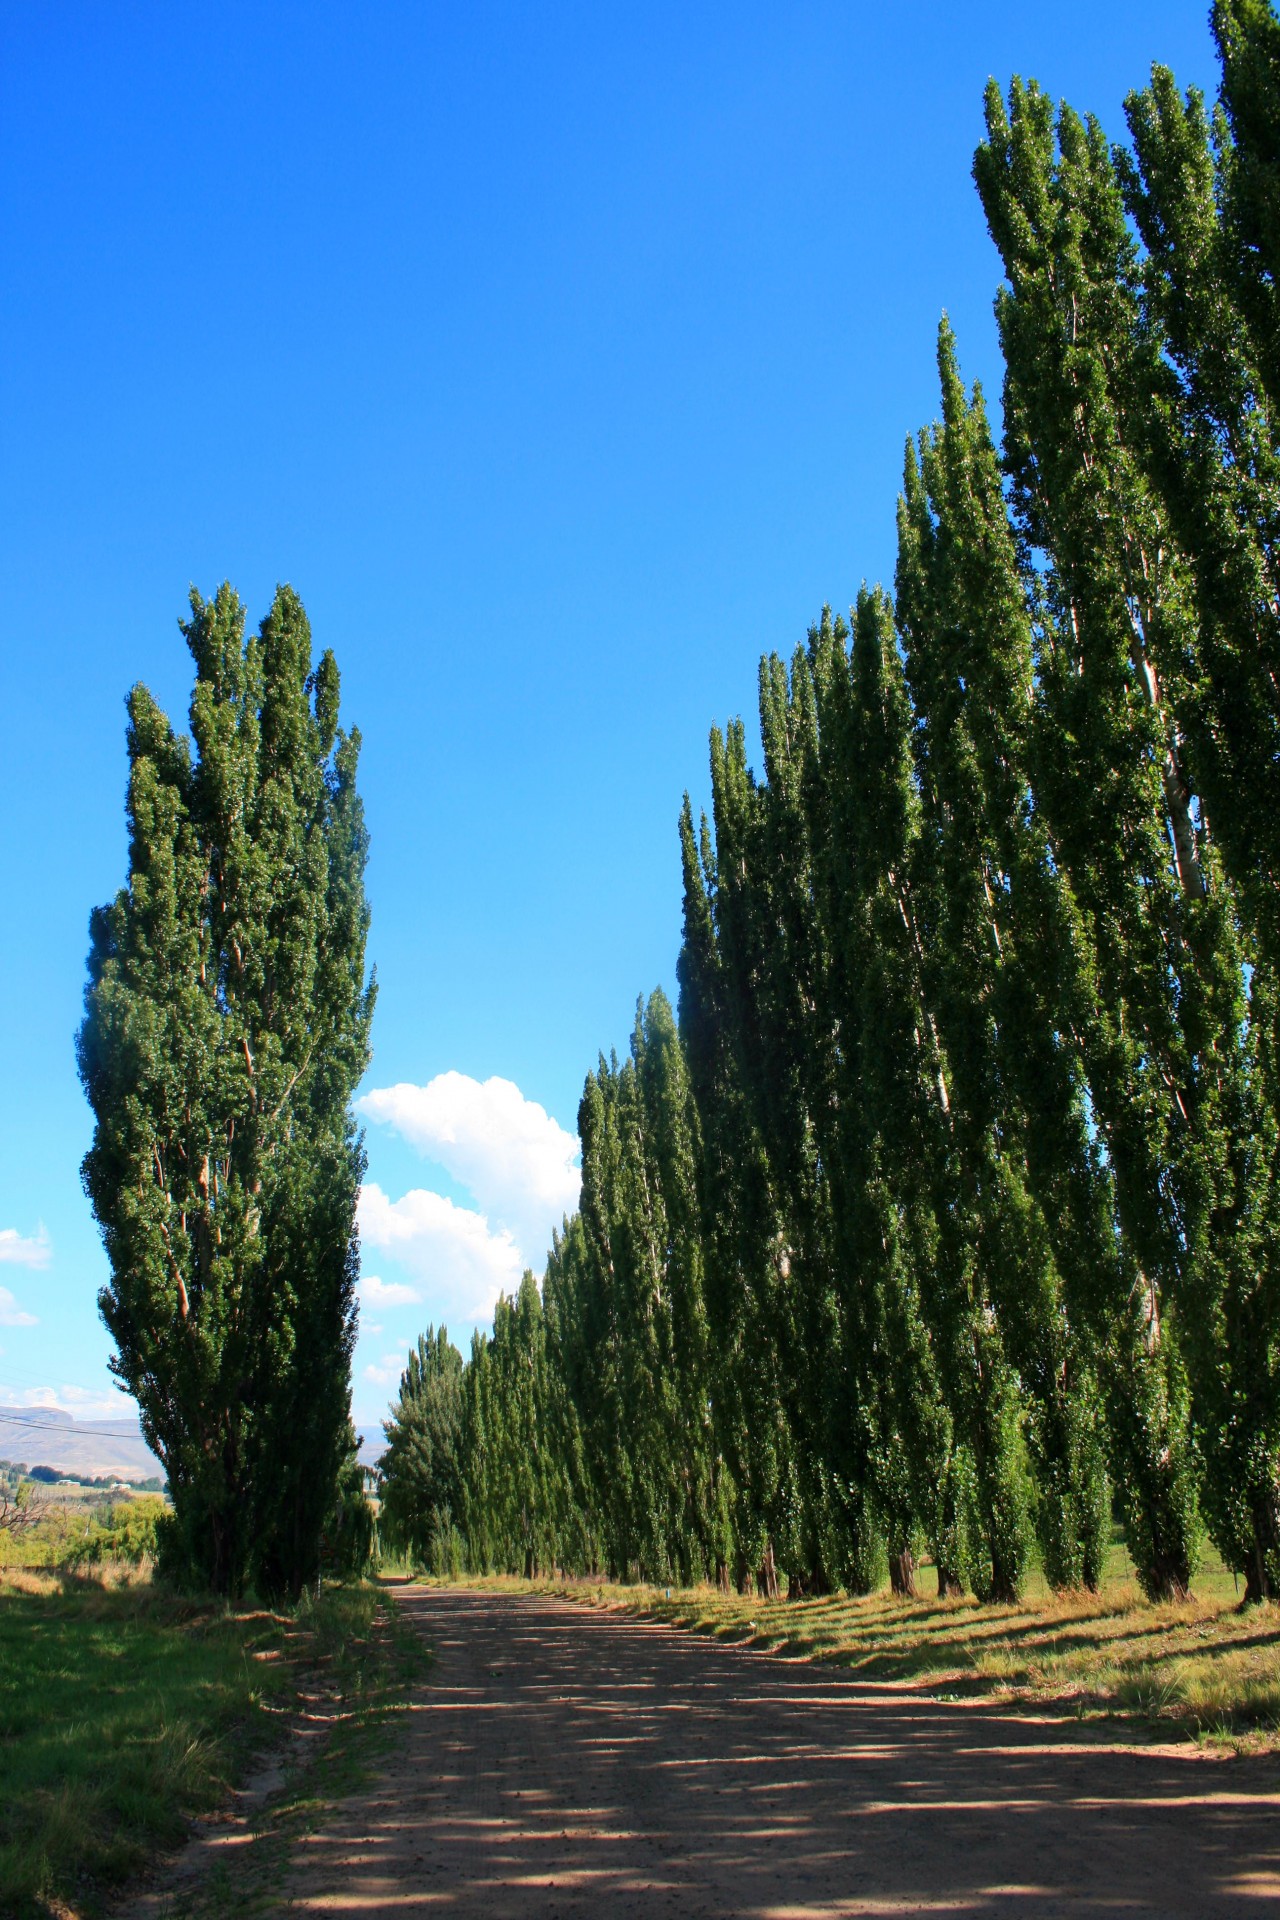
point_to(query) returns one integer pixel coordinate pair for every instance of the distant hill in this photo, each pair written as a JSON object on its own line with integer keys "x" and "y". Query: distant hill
{"x": 47, "y": 1437}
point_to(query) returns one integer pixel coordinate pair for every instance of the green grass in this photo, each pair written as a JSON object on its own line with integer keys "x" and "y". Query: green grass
{"x": 1200, "y": 1668}
{"x": 356, "y": 1697}
{"x": 125, "y": 1710}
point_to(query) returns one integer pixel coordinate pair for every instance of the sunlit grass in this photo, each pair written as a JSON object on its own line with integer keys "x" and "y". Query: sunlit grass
{"x": 125, "y": 1709}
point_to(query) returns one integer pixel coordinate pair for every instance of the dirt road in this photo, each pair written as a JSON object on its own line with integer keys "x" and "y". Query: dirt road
{"x": 564, "y": 1762}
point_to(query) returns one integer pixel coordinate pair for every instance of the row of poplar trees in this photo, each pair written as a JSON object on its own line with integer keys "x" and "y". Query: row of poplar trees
{"x": 947, "y": 1218}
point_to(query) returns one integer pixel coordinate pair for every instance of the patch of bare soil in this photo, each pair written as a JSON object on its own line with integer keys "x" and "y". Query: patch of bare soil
{"x": 565, "y": 1762}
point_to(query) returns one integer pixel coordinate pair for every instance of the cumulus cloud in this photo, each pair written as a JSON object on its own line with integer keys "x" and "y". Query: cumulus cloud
{"x": 462, "y": 1263}
{"x": 385, "y": 1372}
{"x": 18, "y": 1250}
{"x": 507, "y": 1151}
{"x": 377, "y": 1292}
{"x": 11, "y": 1314}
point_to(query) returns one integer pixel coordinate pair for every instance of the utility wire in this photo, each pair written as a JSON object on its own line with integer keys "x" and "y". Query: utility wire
{"x": 69, "y": 1424}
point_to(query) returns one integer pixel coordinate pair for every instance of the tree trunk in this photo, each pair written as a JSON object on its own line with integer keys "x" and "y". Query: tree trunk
{"x": 1259, "y": 1583}
{"x": 1167, "y": 1583}
{"x": 950, "y": 1585}
{"x": 767, "y": 1577}
{"x": 1004, "y": 1588}
{"x": 1257, "y": 1587}
{"x": 902, "y": 1573}
{"x": 722, "y": 1577}
{"x": 528, "y": 1563}
{"x": 808, "y": 1586}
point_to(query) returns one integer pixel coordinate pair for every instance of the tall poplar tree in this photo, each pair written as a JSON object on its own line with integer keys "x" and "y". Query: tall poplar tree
{"x": 891, "y": 1436}
{"x": 420, "y": 1474}
{"x": 226, "y": 1026}
{"x": 957, "y": 1282}
{"x": 740, "y": 1224}
{"x": 966, "y": 616}
{"x": 572, "y": 1396}
{"x": 1171, "y": 1070}
{"x": 640, "y": 1355}
{"x": 1209, "y": 430}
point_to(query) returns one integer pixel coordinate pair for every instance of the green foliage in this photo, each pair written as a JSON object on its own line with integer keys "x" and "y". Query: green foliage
{"x": 349, "y": 1538}
{"x": 226, "y": 1025}
{"x": 1140, "y": 451}
{"x": 420, "y": 1474}
{"x": 509, "y": 1501}
{"x": 631, "y": 1315}
{"x": 125, "y": 1531}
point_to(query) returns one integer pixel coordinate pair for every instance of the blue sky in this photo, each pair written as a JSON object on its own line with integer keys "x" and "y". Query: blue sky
{"x": 562, "y": 358}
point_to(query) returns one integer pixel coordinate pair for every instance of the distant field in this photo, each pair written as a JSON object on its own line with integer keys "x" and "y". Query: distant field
{"x": 125, "y": 1709}
{"x": 1203, "y": 1668}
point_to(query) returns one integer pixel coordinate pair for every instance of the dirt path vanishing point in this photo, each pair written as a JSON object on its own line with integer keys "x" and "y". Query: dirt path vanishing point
{"x": 560, "y": 1761}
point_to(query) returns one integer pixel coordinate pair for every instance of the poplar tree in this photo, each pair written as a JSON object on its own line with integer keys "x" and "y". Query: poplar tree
{"x": 571, "y": 1396}
{"x": 608, "y": 1423}
{"x": 522, "y": 1475}
{"x": 891, "y": 1436}
{"x": 1247, "y": 33}
{"x": 979, "y": 1380}
{"x": 420, "y": 1476}
{"x": 226, "y": 1026}
{"x": 790, "y": 1064}
{"x": 640, "y": 1355}
{"x": 971, "y": 1125}
{"x": 479, "y": 1460}
{"x": 1208, "y": 431}
{"x": 739, "y": 1218}
{"x": 971, "y": 656}
{"x": 670, "y": 1199}
{"x": 1168, "y": 1043}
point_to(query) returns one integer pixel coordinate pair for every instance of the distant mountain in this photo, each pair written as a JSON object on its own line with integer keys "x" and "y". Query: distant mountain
{"x": 47, "y": 1437}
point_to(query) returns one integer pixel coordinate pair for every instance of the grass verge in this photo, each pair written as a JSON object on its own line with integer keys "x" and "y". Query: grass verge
{"x": 125, "y": 1710}
{"x": 348, "y": 1713}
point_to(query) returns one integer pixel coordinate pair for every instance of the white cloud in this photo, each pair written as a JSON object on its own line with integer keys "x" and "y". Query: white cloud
{"x": 17, "y": 1251}
{"x": 377, "y": 1292}
{"x": 11, "y": 1314}
{"x": 462, "y": 1263}
{"x": 386, "y": 1372}
{"x": 86, "y": 1403}
{"x": 507, "y": 1151}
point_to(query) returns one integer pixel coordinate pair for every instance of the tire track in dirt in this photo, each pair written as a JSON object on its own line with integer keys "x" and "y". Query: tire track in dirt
{"x": 565, "y": 1762}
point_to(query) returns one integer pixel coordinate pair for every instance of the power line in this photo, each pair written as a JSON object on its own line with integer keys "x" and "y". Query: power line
{"x": 17, "y": 1418}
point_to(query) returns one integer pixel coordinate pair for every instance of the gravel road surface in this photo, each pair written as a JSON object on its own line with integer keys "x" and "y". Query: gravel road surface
{"x": 560, "y": 1761}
